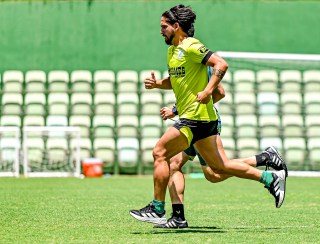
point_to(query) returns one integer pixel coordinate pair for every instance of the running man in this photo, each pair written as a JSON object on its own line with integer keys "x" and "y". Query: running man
{"x": 188, "y": 59}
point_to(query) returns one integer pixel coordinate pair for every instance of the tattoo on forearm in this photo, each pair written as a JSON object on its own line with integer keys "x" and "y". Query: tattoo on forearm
{"x": 219, "y": 73}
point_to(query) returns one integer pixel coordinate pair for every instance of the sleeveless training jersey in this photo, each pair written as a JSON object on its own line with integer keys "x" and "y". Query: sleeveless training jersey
{"x": 189, "y": 76}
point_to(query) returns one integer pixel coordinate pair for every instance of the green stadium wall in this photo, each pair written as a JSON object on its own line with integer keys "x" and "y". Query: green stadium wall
{"x": 118, "y": 35}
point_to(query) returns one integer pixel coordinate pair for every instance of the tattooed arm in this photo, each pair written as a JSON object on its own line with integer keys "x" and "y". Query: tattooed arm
{"x": 220, "y": 67}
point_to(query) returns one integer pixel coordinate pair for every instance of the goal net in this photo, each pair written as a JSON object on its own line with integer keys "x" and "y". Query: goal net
{"x": 51, "y": 151}
{"x": 273, "y": 99}
{"x": 9, "y": 151}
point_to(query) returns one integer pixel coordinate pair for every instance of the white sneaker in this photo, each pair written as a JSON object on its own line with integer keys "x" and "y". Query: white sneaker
{"x": 278, "y": 187}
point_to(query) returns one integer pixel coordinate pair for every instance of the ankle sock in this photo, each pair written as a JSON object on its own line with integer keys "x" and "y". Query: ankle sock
{"x": 178, "y": 211}
{"x": 266, "y": 178}
{"x": 261, "y": 159}
{"x": 159, "y": 206}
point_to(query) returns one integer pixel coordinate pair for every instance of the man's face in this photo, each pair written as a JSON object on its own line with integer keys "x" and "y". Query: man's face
{"x": 167, "y": 31}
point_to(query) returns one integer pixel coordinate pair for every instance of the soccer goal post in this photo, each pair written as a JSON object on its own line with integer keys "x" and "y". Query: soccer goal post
{"x": 273, "y": 99}
{"x": 51, "y": 151}
{"x": 9, "y": 151}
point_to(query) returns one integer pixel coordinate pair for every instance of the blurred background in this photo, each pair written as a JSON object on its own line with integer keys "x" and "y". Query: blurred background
{"x": 82, "y": 64}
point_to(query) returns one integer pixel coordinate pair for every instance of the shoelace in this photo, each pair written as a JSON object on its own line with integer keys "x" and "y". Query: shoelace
{"x": 269, "y": 159}
{"x": 148, "y": 207}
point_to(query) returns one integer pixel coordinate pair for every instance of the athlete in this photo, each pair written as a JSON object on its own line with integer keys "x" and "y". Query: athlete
{"x": 188, "y": 59}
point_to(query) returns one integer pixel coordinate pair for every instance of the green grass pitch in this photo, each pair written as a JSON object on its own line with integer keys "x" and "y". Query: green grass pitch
{"x": 70, "y": 210}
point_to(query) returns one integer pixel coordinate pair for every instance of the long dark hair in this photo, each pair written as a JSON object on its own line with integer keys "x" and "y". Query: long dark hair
{"x": 184, "y": 15}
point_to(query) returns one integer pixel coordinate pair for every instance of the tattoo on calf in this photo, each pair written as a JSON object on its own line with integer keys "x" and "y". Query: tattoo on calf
{"x": 219, "y": 73}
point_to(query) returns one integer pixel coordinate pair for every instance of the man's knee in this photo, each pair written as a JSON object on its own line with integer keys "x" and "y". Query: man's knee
{"x": 175, "y": 164}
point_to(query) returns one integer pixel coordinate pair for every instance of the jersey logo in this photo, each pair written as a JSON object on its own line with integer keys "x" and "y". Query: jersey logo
{"x": 203, "y": 49}
{"x": 180, "y": 54}
{"x": 177, "y": 72}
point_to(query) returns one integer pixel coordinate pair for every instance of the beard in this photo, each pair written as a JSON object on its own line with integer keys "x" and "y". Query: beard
{"x": 169, "y": 39}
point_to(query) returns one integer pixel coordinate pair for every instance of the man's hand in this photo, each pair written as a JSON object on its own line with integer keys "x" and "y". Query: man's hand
{"x": 150, "y": 83}
{"x": 203, "y": 97}
{"x": 166, "y": 113}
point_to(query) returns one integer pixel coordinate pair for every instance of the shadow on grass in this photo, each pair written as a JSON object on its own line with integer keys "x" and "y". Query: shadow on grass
{"x": 206, "y": 229}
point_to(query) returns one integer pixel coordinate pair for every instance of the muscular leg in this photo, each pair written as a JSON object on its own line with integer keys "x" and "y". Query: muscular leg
{"x": 170, "y": 144}
{"x": 176, "y": 183}
{"x": 211, "y": 149}
{"x": 215, "y": 176}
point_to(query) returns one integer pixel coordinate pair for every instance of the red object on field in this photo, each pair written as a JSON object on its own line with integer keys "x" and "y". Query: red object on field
{"x": 92, "y": 167}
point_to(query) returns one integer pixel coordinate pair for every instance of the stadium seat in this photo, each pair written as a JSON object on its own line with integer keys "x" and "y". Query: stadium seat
{"x": 244, "y": 81}
{"x": 127, "y": 81}
{"x": 12, "y": 104}
{"x": 81, "y": 104}
{"x": 292, "y": 126}
{"x": 128, "y": 126}
{"x": 10, "y": 120}
{"x": 85, "y": 147}
{"x": 103, "y": 126}
{"x": 247, "y": 147}
{"x": 104, "y": 81}
{"x": 267, "y": 81}
{"x": 271, "y": 141}
{"x": 56, "y": 120}
{"x": 83, "y": 122}
{"x": 33, "y": 120}
{"x": 312, "y": 124}
{"x": 294, "y": 151}
{"x": 150, "y": 126}
{"x": 58, "y": 104}
{"x": 291, "y": 103}
{"x": 269, "y": 126}
{"x": 35, "y": 104}
{"x": 58, "y": 81}
{"x": 311, "y": 79}
{"x": 151, "y": 103}
{"x": 104, "y": 149}
{"x": 290, "y": 80}
{"x": 246, "y": 126}
{"x": 311, "y": 103}
{"x": 12, "y": 81}
{"x": 128, "y": 103}
{"x": 244, "y": 103}
{"x": 81, "y": 81}
{"x": 35, "y": 81}
{"x": 268, "y": 103}
{"x": 128, "y": 154}
{"x": 104, "y": 103}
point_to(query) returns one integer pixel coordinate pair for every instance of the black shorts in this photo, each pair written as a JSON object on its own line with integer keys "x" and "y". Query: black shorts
{"x": 196, "y": 130}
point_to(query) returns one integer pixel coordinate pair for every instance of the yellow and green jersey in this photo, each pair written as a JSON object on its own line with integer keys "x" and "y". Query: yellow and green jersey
{"x": 188, "y": 76}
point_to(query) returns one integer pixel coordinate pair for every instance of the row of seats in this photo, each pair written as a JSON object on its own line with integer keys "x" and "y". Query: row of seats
{"x": 132, "y": 81}
{"x": 123, "y": 126}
